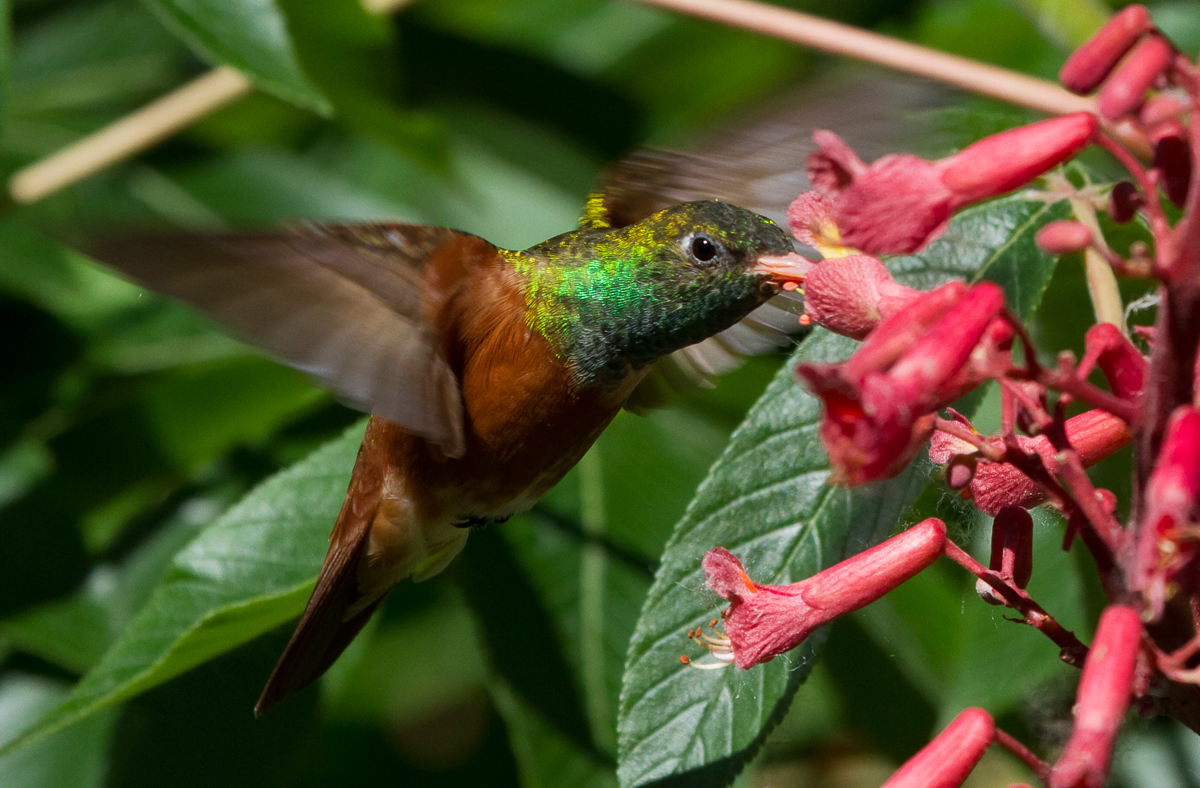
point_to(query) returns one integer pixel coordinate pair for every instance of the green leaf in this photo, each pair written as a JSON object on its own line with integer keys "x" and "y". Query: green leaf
{"x": 251, "y": 36}
{"x": 766, "y": 500}
{"x": 249, "y": 572}
{"x": 69, "y": 759}
{"x": 545, "y": 757}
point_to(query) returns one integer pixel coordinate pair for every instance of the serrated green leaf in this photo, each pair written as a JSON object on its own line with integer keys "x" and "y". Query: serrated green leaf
{"x": 766, "y": 499}
{"x": 251, "y": 36}
{"x": 250, "y": 571}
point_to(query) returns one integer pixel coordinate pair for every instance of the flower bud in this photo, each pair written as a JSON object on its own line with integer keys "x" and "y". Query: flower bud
{"x": 1125, "y": 91}
{"x": 1124, "y": 202}
{"x": 763, "y": 621}
{"x": 1104, "y": 692}
{"x": 1064, "y": 237}
{"x": 947, "y": 760}
{"x": 1173, "y": 160}
{"x": 1093, "y": 61}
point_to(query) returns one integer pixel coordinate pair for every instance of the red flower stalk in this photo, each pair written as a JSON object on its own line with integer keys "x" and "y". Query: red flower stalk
{"x": 1104, "y": 692}
{"x": 1125, "y": 91}
{"x": 765, "y": 620}
{"x": 947, "y": 760}
{"x": 1120, "y": 361}
{"x": 1093, "y": 61}
{"x": 1012, "y": 552}
{"x": 900, "y": 202}
{"x": 1064, "y": 237}
{"x": 1095, "y": 434}
{"x": 879, "y": 404}
{"x": 1166, "y": 539}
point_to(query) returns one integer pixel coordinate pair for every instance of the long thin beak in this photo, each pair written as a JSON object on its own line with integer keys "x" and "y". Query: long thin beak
{"x": 785, "y": 268}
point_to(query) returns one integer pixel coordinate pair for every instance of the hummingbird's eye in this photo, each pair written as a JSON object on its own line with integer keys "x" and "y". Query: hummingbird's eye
{"x": 704, "y": 249}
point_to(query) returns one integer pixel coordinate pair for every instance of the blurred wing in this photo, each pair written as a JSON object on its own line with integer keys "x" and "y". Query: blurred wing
{"x": 759, "y": 164}
{"x": 341, "y": 303}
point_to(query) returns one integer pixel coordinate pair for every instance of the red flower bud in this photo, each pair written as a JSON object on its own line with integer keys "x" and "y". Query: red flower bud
{"x": 1063, "y": 237}
{"x": 879, "y": 404}
{"x": 1165, "y": 540}
{"x": 764, "y": 620}
{"x": 1118, "y": 358}
{"x": 1012, "y": 552}
{"x": 1093, "y": 61}
{"x": 1126, "y": 89}
{"x": 947, "y": 760}
{"x": 1173, "y": 160}
{"x": 1124, "y": 202}
{"x": 1100, "y": 703}
{"x": 900, "y": 202}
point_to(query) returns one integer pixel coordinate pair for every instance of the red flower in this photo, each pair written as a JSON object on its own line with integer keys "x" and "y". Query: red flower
{"x": 1125, "y": 91}
{"x": 851, "y": 296}
{"x": 1166, "y": 539}
{"x": 1093, "y": 61}
{"x": 947, "y": 760}
{"x": 1064, "y": 237}
{"x": 879, "y": 405}
{"x": 900, "y": 202}
{"x": 1100, "y": 703}
{"x": 763, "y": 621}
{"x": 1012, "y": 551}
{"x": 1120, "y": 361}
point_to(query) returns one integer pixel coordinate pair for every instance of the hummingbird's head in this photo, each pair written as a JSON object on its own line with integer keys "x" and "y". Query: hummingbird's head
{"x": 710, "y": 241}
{"x": 611, "y": 299}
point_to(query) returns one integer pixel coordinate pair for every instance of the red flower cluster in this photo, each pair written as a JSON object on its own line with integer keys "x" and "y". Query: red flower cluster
{"x": 921, "y": 351}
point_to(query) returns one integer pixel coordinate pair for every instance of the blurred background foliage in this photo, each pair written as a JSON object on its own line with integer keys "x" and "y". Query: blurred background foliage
{"x": 128, "y": 424}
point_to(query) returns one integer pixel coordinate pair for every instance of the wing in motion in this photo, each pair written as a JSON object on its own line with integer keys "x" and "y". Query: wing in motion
{"x": 343, "y": 304}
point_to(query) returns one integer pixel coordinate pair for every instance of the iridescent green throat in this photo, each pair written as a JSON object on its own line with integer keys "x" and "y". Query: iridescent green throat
{"x": 614, "y": 300}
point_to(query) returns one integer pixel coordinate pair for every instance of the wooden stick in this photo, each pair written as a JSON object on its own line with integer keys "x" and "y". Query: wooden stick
{"x": 143, "y": 128}
{"x": 206, "y": 94}
{"x": 129, "y": 135}
{"x": 839, "y": 39}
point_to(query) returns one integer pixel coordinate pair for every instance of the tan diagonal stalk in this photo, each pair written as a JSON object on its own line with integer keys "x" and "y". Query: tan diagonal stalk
{"x": 185, "y": 105}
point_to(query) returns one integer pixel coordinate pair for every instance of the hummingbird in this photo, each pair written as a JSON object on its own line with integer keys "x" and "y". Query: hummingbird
{"x": 488, "y": 372}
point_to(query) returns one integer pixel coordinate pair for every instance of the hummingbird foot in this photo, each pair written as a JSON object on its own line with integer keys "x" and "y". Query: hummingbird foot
{"x": 479, "y": 521}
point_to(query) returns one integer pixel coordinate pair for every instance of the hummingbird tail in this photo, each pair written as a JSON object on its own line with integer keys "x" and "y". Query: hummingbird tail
{"x": 336, "y": 611}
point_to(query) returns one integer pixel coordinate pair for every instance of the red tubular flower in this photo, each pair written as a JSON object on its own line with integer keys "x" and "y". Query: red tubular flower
{"x": 1100, "y": 703}
{"x": 1126, "y": 89}
{"x": 763, "y": 621}
{"x": 1165, "y": 541}
{"x": 851, "y": 296}
{"x": 900, "y": 202}
{"x": 1093, "y": 61}
{"x": 1012, "y": 551}
{"x": 1120, "y": 361}
{"x": 1063, "y": 237}
{"x": 1095, "y": 434}
{"x": 947, "y": 760}
{"x": 879, "y": 404}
